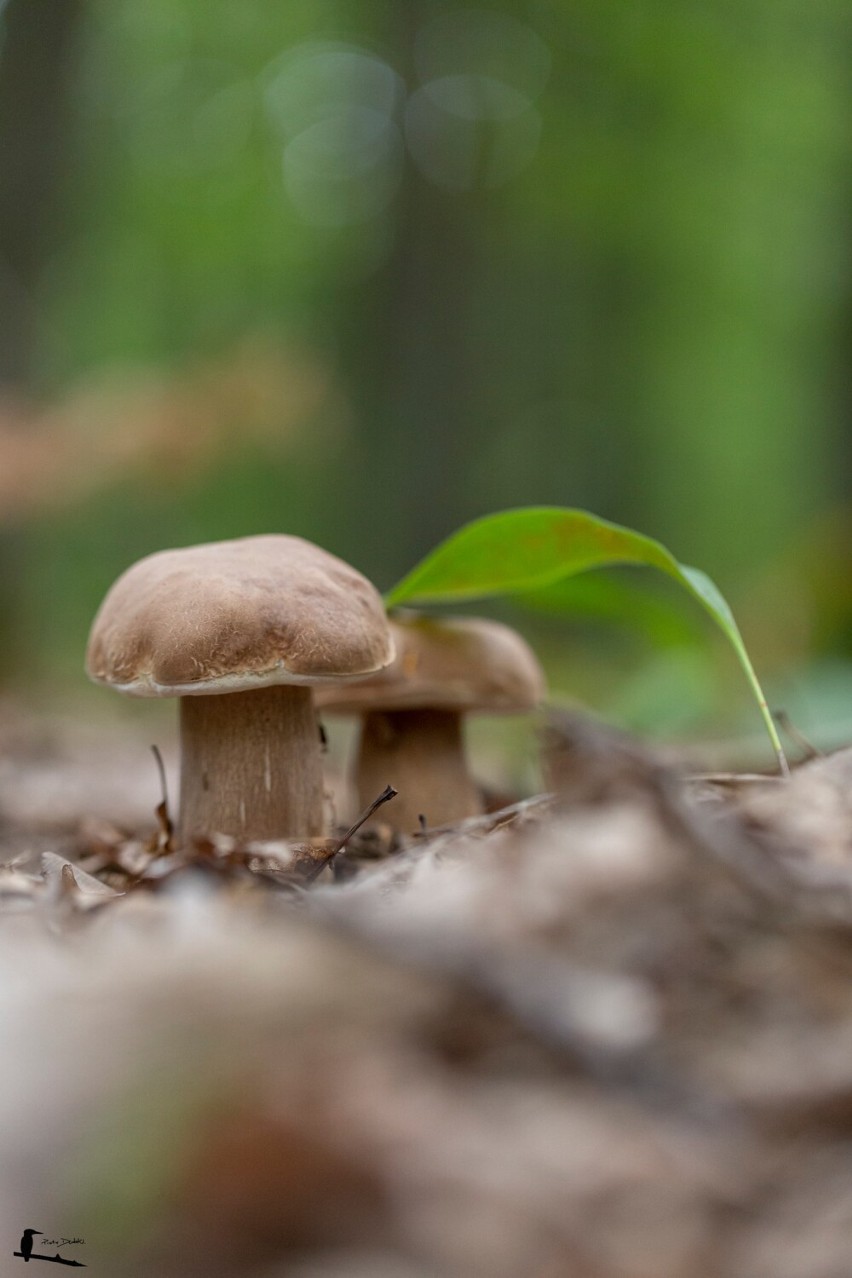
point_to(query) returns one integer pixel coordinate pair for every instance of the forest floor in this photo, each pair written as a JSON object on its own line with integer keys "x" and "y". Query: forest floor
{"x": 601, "y": 1033}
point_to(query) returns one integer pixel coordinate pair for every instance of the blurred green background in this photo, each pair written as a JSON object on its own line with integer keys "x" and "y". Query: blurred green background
{"x": 365, "y": 271}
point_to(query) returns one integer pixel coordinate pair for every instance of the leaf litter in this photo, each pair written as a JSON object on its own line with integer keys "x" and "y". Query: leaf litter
{"x": 603, "y": 1032}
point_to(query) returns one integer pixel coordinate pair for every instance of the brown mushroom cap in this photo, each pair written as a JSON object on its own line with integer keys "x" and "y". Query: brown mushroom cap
{"x": 449, "y": 663}
{"x": 236, "y": 615}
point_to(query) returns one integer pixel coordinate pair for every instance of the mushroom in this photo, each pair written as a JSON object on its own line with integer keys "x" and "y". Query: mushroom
{"x": 240, "y": 631}
{"x": 412, "y": 732}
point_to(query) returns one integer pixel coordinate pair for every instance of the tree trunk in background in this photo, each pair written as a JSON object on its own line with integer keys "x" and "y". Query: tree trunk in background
{"x": 412, "y": 393}
{"x": 35, "y": 43}
{"x": 404, "y": 342}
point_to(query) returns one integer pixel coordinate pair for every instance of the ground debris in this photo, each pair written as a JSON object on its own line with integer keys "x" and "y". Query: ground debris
{"x": 809, "y": 817}
{"x": 605, "y": 1032}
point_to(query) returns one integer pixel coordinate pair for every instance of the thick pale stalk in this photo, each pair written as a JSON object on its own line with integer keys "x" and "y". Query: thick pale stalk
{"x": 251, "y": 765}
{"x": 421, "y": 754}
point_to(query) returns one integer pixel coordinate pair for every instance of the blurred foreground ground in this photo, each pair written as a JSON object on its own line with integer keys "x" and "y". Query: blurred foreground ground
{"x": 603, "y": 1036}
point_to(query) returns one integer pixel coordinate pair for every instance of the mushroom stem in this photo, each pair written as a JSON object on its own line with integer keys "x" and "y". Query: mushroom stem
{"x": 421, "y": 754}
{"x": 251, "y": 764}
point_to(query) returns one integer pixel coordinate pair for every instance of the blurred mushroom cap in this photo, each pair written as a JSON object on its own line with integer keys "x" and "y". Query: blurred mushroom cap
{"x": 235, "y": 615}
{"x": 449, "y": 663}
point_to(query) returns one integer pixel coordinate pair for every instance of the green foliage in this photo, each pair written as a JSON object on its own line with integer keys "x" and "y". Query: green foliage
{"x": 616, "y": 597}
{"x": 649, "y": 320}
{"x": 537, "y": 548}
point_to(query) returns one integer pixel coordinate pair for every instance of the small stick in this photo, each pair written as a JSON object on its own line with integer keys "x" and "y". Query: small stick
{"x": 158, "y": 759}
{"x": 785, "y": 723}
{"x": 162, "y": 809}
{"x": 388, "y": 793}
{"x": 734, "y": 778}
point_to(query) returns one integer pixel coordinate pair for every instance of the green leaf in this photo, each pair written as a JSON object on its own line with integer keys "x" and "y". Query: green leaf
{"x": 529, "y": 549}
{"x": 615, "y": 596}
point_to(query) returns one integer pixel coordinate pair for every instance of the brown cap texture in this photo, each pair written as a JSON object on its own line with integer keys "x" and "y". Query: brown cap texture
{"x": 234, "y": 615}
{"x": 450, "y": 663}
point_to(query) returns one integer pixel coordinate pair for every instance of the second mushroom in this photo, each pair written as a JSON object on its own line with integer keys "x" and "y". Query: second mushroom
{"x": 412, "y": 713}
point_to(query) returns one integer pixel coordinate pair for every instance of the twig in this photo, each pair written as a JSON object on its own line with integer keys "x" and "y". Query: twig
{"x": 167, "y": 828}
{"x": 388, "y": 793}
{"x": 785, "y": 723}
{"x": 734, "y": 778}
{"x": 488, "y": 821}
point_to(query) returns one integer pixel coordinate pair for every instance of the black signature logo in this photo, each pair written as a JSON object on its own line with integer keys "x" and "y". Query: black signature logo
{"x": 28, "y": 1253}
